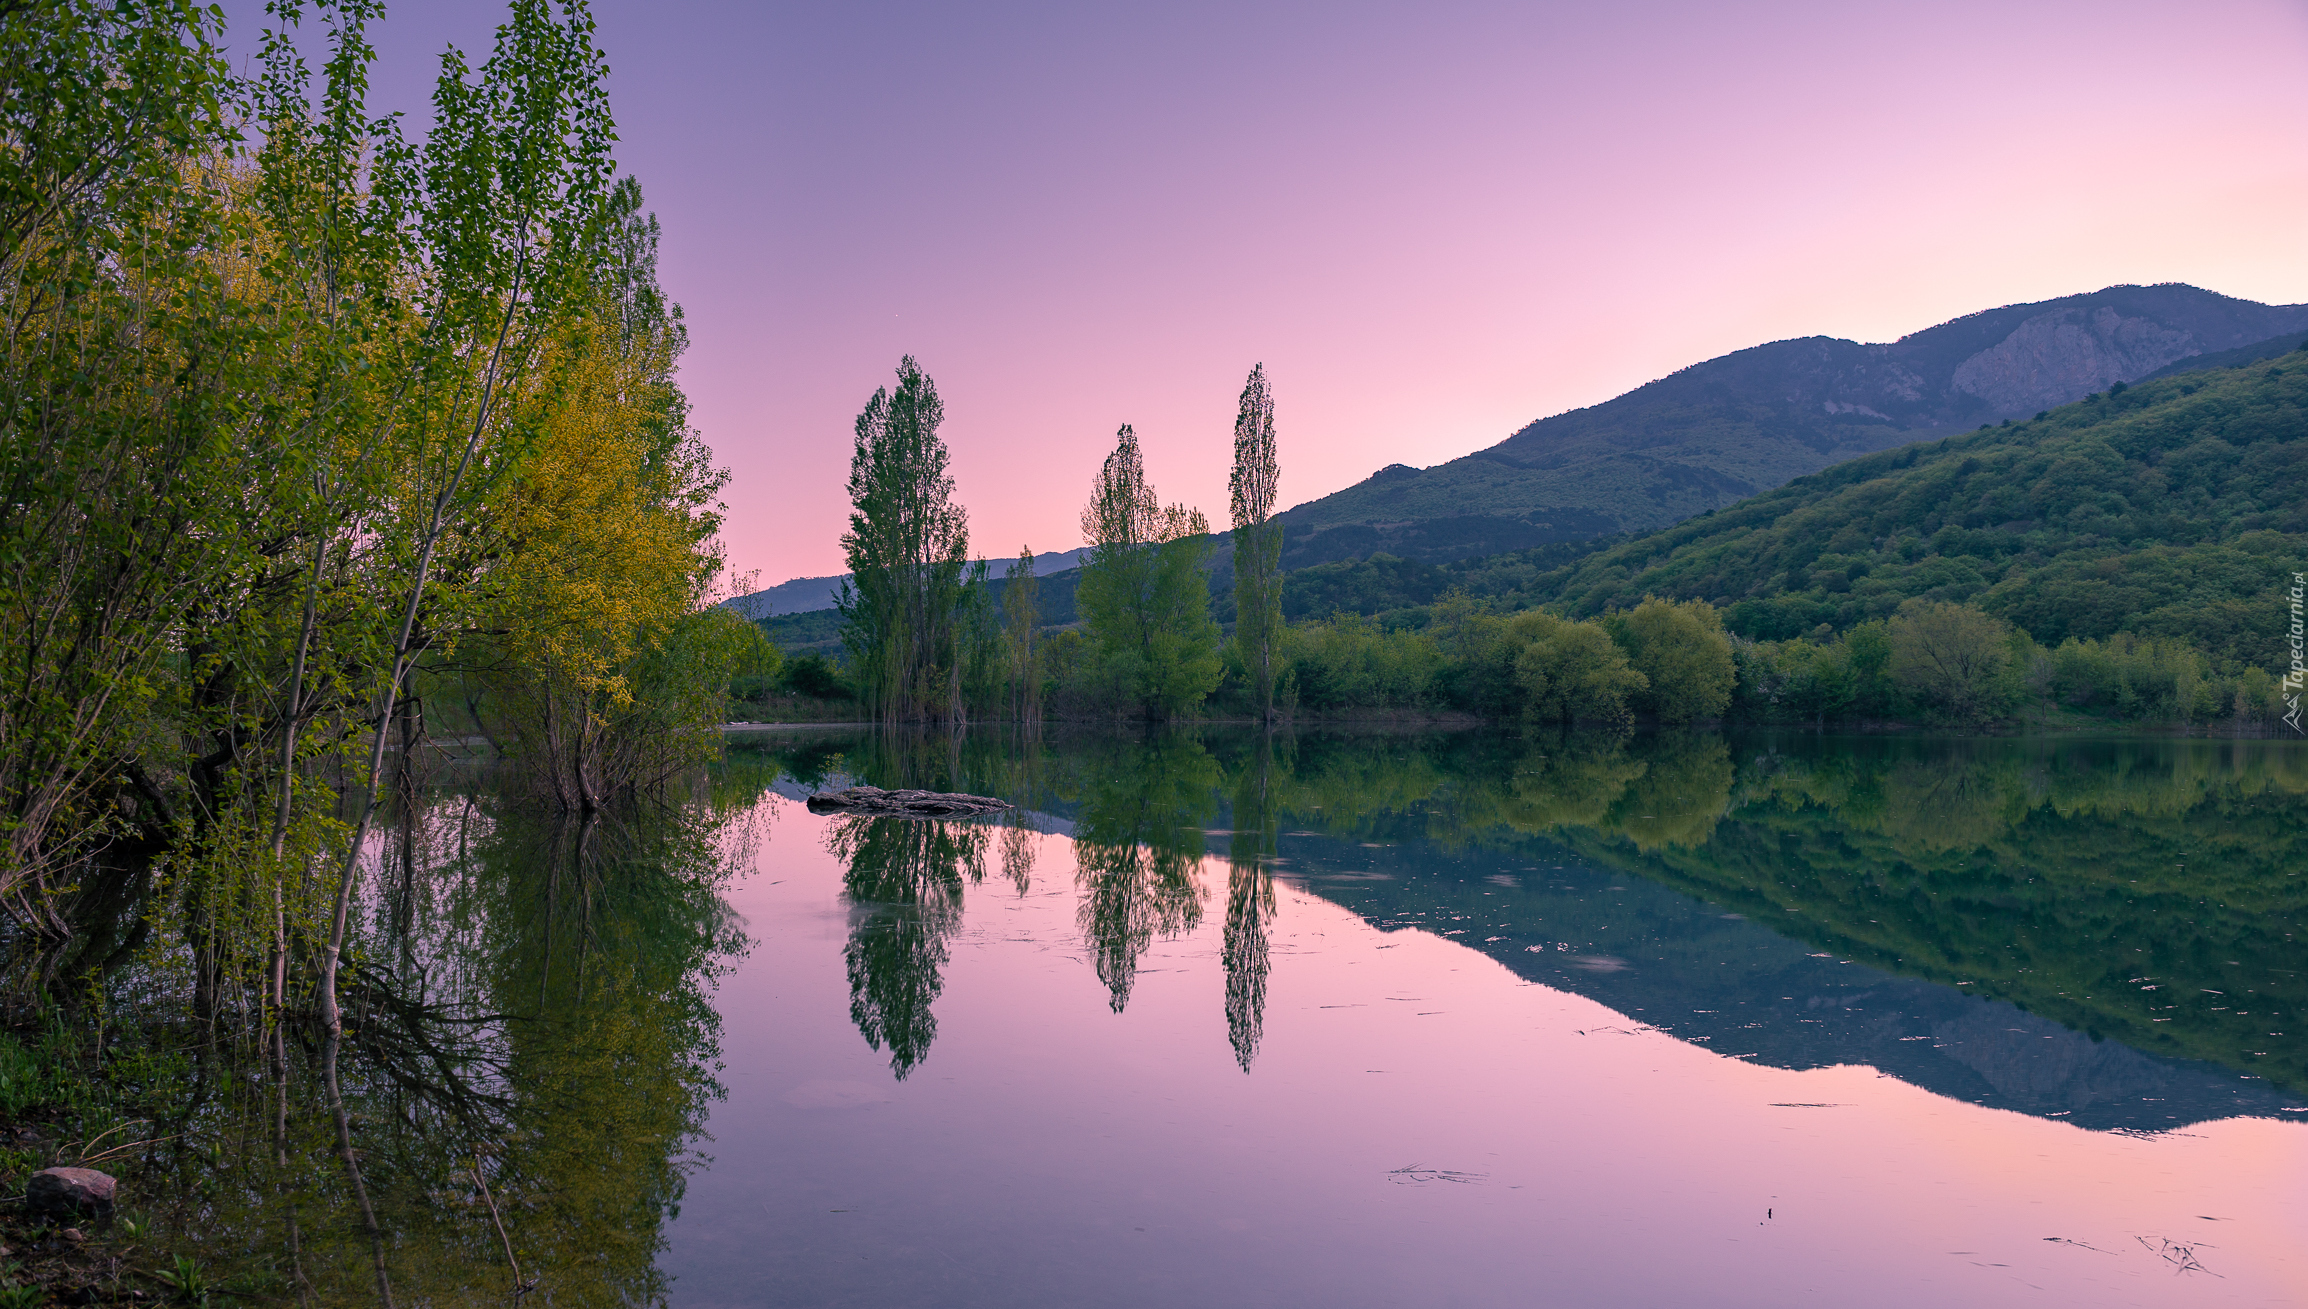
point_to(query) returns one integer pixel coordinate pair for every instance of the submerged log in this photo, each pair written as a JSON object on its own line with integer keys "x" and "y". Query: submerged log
{"x": 874, "y": 801}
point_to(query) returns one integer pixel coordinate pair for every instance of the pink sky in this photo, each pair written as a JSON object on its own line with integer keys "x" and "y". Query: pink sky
{"x": 1433, "y": 223}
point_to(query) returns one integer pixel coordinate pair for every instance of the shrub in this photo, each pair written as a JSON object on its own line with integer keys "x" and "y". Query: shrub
{"x": 1682, "y": 652}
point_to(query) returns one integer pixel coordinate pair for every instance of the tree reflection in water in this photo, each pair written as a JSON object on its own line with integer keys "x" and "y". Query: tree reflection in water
{"x": 904, "y": 880}
{"x": 531, "y": 1005}
{"x": 2047, "y": 872}
{"x": 1250, "y": 901}
{"x": 1137, "y": 849}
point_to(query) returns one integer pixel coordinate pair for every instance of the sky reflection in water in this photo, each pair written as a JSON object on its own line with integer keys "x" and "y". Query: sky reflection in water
{"x": 1672, "y": 1021}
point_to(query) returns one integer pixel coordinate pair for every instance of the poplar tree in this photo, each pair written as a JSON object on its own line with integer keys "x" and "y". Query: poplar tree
{"x": 1257, "y": 538}
{"x": 907, "y": 548}
{"x": 1144, "y": 597}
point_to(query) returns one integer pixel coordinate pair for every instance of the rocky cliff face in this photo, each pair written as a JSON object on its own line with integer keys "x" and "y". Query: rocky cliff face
{"x": 2061, "y": 356}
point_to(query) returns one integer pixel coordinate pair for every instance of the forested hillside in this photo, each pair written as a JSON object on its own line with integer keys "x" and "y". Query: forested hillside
{"x": 2172, "y": 508}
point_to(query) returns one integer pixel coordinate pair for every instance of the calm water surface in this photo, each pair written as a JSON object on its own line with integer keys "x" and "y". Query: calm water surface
{"x": 1486, "y": 1020}
{"x": 1317, "y": 1019}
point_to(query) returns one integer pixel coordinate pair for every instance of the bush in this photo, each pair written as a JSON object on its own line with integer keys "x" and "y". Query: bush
{"x": 1951, "y": 654}
{"x": 1348, "y": 662}
{"x": 815, "y": 676}
{"x": 1572, "y": 671}
{"x": 1682, "y": 652}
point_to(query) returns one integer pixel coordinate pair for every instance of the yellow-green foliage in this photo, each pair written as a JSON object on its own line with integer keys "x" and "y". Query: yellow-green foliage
{"x": 1682, "y": 652}
{"x": 1571, "y": 671}
{"x": 1349, "y": 663}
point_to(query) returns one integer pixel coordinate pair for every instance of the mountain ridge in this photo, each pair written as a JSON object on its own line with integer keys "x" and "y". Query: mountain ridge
{"x": 1726, "y": 428}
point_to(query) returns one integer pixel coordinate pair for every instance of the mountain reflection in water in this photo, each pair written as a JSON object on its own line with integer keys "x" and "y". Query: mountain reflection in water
{"x": 2096, "y": 930}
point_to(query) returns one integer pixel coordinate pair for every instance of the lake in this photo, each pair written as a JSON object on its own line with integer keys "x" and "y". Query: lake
{"x": 1338, "y": 1018}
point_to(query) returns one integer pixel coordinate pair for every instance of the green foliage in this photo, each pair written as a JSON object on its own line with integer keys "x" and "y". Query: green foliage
{"x": 1253, "y": 485}
{"x": 184, "y": 1282}
{"x": 1683, "y": 655}
{"x": 1144, "y": 594}
{"x": 1951, "y": 655}
{"x": 907, "y": 546}
{"x": 1571, "y": 671}
{"x": 32, "y": 1080}
{"x": 1348, "y": 662}
{"x": 816, "y": 632}
{"x": 2171, "y": 510}
{"x": 815, "y": 676}
{"x": 1396, "y": 589}
{"x": 1021, "y": 602}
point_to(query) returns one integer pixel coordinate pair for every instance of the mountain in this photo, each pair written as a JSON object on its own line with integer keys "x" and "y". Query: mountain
{"x": 1721, "y": 431}
{"x": 2170, "y": 508}
{"x": 807, "y": 594}
{"x": 1711, "y": 435}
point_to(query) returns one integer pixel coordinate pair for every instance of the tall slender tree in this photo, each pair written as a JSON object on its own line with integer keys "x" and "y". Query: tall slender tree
{"x": 907, "y": 547}
{"x": 1144, "y": 597}
{"x": 1257, "y": 537}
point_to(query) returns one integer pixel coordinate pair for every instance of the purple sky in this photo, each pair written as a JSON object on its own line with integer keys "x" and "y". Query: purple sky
{"x": 1433, "y": 223}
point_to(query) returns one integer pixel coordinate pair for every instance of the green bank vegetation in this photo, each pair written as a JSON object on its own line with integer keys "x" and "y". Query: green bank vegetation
{"x": 2126, "y": 558}
{"x": 319, "y": 440}
{"x": 321, "y": 443}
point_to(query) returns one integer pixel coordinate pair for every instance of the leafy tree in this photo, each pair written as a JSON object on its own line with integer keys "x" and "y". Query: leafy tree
{"x": 1254, "y": 485}
{"x": 1953, "y": 654}
{"x": 1867, "y": 649}
{"x": 1571, "y": 671}
{"x": 510, "y": 190}
{"x": 907, "y": 544}
{"x": 1681, "y": 651}
{"x": 813, "y": 675}
{"x": 609, "y": 550}
{"x": 1144, "y": 598}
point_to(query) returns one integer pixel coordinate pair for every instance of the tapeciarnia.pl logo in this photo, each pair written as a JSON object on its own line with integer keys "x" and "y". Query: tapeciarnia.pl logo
{"x": 2298, "y": 675}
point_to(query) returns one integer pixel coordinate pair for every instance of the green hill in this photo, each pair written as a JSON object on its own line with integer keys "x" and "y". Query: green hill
{"x": 2174, "y": 508}
{"x": 1723, "y": 430}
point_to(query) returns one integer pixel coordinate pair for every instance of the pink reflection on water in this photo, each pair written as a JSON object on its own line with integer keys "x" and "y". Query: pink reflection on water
{"x": 1421, "y": 1126}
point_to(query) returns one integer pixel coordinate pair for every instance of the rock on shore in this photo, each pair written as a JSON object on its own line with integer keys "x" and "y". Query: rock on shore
{"x": 70, "y": 1192}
